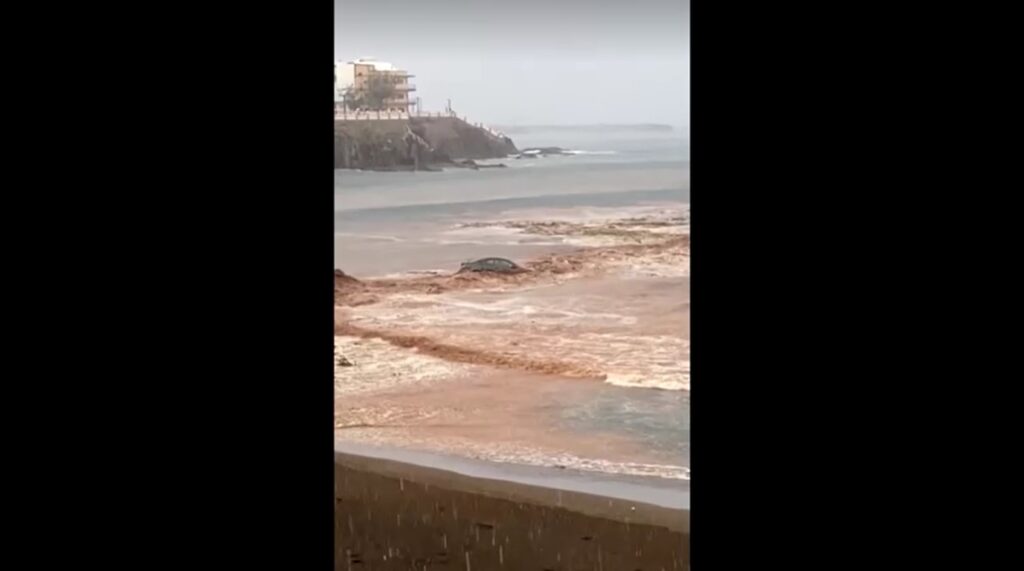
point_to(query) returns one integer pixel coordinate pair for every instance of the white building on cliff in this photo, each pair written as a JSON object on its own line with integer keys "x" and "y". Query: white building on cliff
{"x": 357, "y": 76}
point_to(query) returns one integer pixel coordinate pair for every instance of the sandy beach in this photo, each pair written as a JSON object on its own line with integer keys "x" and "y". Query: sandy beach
{"x": 395, "y": 515}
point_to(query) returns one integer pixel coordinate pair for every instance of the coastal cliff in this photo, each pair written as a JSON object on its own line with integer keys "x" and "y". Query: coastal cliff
{"x": 418, "y": 143}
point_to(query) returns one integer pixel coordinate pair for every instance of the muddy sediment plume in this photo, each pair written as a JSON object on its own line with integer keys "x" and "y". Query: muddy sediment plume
{"x": 350, "y": 292}
{"x": 409, "y": 312}
{"x": 639, "y": 230}
{"x": 467, "y": 355}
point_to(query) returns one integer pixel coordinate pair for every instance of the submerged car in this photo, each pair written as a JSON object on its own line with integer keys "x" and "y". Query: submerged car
{"x": 500, "y": 265}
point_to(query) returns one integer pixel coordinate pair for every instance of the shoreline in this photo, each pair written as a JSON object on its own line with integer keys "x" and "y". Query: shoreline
{"x": 402, "y": 515}
{"x": 669, "y": 499}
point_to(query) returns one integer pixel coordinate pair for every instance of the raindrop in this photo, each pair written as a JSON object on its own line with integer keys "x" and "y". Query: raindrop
{"x": 501, "y": 555}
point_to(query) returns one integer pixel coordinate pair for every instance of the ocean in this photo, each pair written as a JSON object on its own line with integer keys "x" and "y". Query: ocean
{"x": 583, "y": 365}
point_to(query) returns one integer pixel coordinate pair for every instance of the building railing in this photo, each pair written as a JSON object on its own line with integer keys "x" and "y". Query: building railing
{"x": 342, "y": 114}
{"x": 382, "y": 115}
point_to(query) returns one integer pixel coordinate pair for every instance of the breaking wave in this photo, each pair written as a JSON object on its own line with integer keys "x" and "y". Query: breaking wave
{"x": 680, "y": 382}
{"x": 517, "y": 453}
{"x": 576, "y": 152}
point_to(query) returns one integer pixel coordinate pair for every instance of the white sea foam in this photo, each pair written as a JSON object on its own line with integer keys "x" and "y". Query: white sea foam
{"x": 638, "y": 381}
{"x": 597, "y": 214}
{"x": 655, "y": 269}
{"x": 573, "y": 462}
{"x": 489, "y": 230}
{"x": 516, "y": 453}
{"x": 379, "y": 366}
{"x": 576, "y": 152}
{"x": 417, "y": 273}
{"x": 419, "y": 311}
{"x": 376, "y": 237}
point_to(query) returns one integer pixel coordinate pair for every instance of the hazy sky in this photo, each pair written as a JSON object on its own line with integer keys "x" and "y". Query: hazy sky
{"x": 520, "y": 62}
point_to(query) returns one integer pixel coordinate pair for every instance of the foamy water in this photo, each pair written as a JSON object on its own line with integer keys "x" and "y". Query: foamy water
{"x": 638, "y": 344}
{"x": 375, "y": 367}
{"x": 582, "y": 365}
{"x": 519, "y": 453}
{"x": 543, "y": 333}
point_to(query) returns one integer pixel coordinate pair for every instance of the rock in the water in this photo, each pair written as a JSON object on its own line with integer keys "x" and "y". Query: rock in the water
{"x": 342, "y": 277}
{"x": 344, "y": 362}
{"x": 499, "y": 265}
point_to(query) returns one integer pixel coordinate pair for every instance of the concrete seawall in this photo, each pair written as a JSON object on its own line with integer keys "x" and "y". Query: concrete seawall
{"x": 386, "y": 145}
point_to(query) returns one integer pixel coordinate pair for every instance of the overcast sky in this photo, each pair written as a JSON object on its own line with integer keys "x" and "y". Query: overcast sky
{"x": 531, "y": 62}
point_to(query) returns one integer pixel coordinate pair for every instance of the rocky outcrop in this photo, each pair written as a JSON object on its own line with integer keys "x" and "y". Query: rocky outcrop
{"x": 415, "y": 144}
{"x": 457, "y": 139}
{"x": 371, "y": 144}
{"x": 343, "y": 279}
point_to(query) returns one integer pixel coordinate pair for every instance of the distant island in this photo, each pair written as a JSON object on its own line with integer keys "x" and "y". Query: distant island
{"x": 590, "y": 127}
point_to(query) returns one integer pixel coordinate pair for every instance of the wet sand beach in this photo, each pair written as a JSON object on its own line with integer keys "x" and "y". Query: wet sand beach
{"x": 396, "y": 515}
